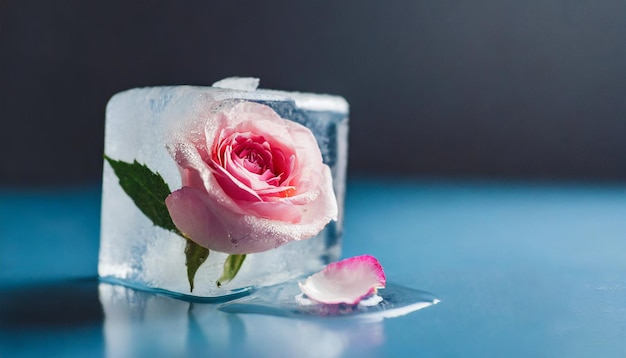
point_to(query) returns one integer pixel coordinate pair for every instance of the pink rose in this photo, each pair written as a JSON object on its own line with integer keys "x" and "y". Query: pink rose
{"x": 252, "y": 181}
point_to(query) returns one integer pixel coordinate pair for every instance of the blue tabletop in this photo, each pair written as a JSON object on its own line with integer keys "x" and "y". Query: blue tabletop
{"x": 522, "y": 270}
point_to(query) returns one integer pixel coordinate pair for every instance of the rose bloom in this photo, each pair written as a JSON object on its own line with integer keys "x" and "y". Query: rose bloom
{"x": 251, "y": 180}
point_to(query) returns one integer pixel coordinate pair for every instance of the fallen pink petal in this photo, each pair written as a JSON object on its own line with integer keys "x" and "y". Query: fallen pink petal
{"x": 347, "y": 281}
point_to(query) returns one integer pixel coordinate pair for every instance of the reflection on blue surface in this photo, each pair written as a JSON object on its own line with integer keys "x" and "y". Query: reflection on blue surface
{"x": 523, "y": 271}
{"x": 179, "y": 328}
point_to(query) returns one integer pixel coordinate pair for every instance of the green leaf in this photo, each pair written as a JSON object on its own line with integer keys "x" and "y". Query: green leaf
{"x": 231, "y": 267}
{"x": 147, "y": 189}
{"x": 196, "y": 255}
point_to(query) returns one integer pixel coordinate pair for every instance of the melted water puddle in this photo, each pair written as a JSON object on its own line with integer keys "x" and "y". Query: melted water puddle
{"x": 286, "y": 300}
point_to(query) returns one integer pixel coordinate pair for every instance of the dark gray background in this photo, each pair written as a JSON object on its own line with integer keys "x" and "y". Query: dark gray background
{"x": 484, "y": 88}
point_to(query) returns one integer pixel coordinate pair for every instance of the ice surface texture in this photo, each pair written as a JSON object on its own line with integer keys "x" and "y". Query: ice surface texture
{"x": 135, "y": 252}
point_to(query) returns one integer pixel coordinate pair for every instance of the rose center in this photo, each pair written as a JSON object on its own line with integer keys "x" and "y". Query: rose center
{"x": 256, "y": 155}
{"x": 254, "y": 162}
{"x": 262, "y": 164}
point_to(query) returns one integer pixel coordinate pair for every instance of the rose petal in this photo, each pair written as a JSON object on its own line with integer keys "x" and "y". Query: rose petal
{"x": 193, "y": 218}
{"x": 236, "y": 189}
{"x": 215, "y": 227}
{"x": 347, "y": 281}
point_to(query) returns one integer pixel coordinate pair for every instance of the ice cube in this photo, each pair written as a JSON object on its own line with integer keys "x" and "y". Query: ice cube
{"x": 135, "y": 252}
